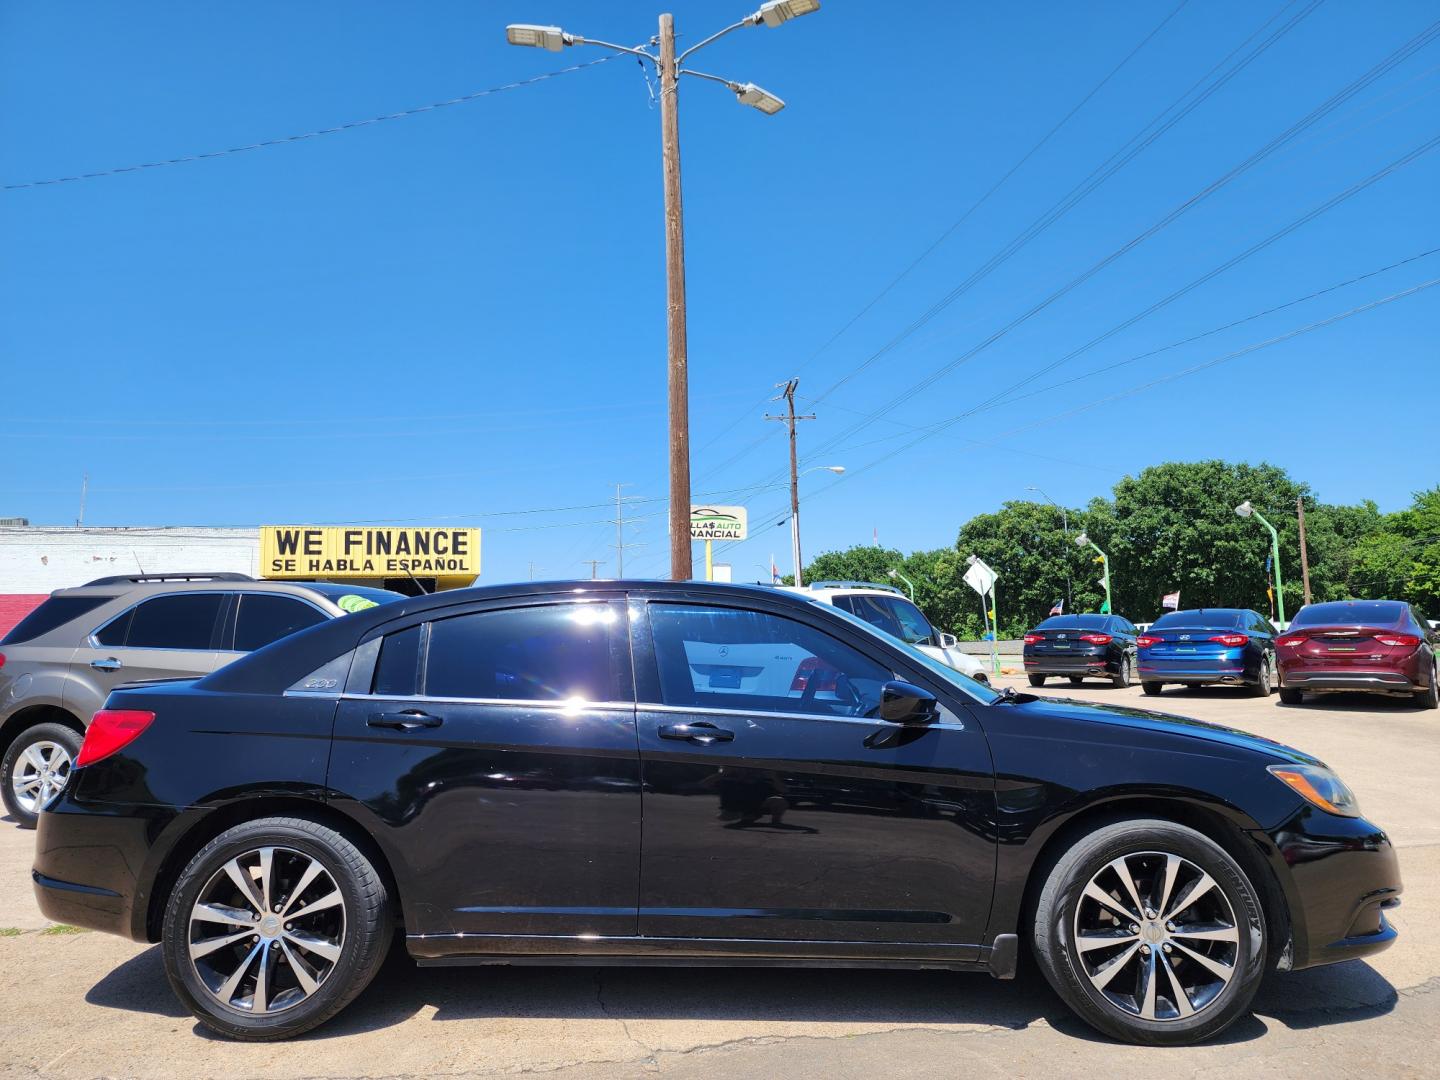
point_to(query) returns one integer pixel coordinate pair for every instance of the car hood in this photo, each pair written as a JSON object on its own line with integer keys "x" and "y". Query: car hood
{"x": 1164, "y": 724}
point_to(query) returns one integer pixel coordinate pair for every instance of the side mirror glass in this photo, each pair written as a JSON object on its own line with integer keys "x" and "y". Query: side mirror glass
{"x": 948, "y": 641}
{"x": 906, "y": 703}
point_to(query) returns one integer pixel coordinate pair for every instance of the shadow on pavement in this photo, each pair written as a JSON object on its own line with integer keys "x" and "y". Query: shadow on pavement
{"x": 1340, "y": 994}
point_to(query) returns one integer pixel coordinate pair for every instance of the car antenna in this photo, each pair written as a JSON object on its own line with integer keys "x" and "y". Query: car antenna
{"x": 137, "y": 561}
{"x": 423, "y": 591}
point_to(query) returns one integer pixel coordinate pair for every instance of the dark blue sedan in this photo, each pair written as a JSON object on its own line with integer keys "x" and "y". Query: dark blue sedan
{"x": 1209, "y": 646}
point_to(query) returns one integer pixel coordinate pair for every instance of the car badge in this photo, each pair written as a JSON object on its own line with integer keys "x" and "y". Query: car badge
{"x": 1184, "y": 637}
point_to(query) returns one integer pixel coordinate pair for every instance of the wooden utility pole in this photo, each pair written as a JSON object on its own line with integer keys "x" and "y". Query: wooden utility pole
{"x": 789, "y": 419}
{"x": 1304, "y": 557}
{"x": 679, "y": 378}
{"x": 594, "y": 565}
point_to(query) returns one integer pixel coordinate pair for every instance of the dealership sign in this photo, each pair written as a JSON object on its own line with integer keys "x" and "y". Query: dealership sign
{"x": 307, "y": 551}
{"x": 717, "y": 523}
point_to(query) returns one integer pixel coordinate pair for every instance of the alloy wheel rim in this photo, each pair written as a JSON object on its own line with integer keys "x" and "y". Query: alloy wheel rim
{"x": 41, "y": 773}
{"x": 267, "y": 930}
{"x": 1156, "y": 936}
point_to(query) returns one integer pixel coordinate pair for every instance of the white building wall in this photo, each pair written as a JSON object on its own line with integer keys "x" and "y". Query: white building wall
{"x": 41, "y": 559}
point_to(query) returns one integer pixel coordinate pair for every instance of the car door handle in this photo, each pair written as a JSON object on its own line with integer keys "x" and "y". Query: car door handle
{"x": 699, "y": 732}
{"x": 108, "y": 664}
{"x": 410, "y": 720}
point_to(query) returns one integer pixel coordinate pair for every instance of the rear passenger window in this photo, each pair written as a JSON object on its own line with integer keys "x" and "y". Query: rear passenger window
{"x": 397, "y": 670}
{"x": 112, "y": 634}
{"x": 265, "y": 618}
{"x": 545, "y": 653}
{"x": 183, "y": 621}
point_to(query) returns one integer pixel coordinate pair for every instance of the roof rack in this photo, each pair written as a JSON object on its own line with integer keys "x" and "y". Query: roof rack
{"x": 147, "y": 579}
{"x": 855, "y": 585}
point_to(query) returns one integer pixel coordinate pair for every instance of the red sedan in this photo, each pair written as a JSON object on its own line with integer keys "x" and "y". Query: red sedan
{"x": 1380, "y": 646}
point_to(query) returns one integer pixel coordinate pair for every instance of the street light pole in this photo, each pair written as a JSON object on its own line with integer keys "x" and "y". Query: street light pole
{"x": 908, "y": 583}
{"x": 772, "y": 13}
{"x": 678, "y": 360}
{"x": 1245, "y": 510}
{"x": 1083, "y": 541}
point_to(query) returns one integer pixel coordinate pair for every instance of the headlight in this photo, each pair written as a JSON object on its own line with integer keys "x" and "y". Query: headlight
{"x": 1318, "y": 786}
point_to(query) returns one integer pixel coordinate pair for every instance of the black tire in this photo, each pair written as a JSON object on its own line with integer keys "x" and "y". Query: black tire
{"x": 366, "y": 938}
{"x": 1264, "y": 680}
{"x": 1076, "y": 680}
{"x": 1037, "y": 680}
{"x": 52, "y": 734}
{"x": 1059, "y": 906}
{"x": 1122, "y": 678}
{"x": 1426, "y": 699}
{"x": 1152, "y": 689}
{"x": 1290, "y": 697}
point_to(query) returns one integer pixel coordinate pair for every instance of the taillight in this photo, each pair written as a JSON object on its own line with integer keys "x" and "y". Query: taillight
{"x": 1144, "y": 641}
{"x": 1230, "y": 639}
{"x": 2, "y": 659}
{"x": 1398, "y": 639}
{"x": 109, "y": 731}
{"x": 1096, "y": 639}
{"x": 1286, "y": 642}
{"x": 1034, "y": 639}
{"x": 812, "y": 668}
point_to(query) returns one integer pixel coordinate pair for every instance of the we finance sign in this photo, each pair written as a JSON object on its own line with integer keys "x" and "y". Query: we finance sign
{"x": 307, "y": 551}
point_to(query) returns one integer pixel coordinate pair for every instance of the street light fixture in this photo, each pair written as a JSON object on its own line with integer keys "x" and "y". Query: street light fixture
{"x": 1245, "y": 510}
{"x": 667, "y": 65}
{"x": 893, "y": 574}
{"x": 1083, "y": 541}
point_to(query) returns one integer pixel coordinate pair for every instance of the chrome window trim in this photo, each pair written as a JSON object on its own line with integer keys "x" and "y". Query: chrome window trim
{"x": 90, "y": 641}
{"x": 558, "y": 705}
{"x": 870, "y": 721}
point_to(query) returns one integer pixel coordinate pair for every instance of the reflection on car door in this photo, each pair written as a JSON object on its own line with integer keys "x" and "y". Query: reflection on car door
{"x": 493, "y": 754}
{"x": 777, "y": 807}
{"x": 258, "y": 618}
{"x": 162, "y": 637}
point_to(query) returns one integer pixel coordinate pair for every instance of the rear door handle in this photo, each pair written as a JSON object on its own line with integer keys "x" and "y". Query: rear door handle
{"x": 699, "y": 732}
{"x": 410, "y": 720}
{"x": 108, "y": 664}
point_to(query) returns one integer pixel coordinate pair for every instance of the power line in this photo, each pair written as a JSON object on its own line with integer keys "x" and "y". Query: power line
{"x": 287, "y": 139}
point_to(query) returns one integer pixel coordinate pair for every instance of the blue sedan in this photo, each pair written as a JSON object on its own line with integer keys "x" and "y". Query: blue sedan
{"x": 1208, "y": 646}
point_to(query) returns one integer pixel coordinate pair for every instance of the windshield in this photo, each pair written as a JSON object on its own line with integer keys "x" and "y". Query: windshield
{"x": 949, "y": 675}
{"x": 896, "y": 616}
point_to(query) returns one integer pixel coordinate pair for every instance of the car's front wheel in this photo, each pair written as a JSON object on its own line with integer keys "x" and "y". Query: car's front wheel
{"x": 36, "y": 769}
{"x": 1151, "y": 932}
{"x": 274, "y": 927}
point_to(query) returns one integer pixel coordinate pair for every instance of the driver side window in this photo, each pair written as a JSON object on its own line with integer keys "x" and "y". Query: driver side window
{"x": 724, "y": 658}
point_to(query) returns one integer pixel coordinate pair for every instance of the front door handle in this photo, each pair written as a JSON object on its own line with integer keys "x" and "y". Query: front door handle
{"x": 409, "y": 720}
{"x": 108, "y": 664}
{"x": 699, "y": 732}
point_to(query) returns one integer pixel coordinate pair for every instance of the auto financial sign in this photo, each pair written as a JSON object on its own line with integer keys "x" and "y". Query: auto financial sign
{"x": 307, "y": 551}
{"x": 717, "y": 523}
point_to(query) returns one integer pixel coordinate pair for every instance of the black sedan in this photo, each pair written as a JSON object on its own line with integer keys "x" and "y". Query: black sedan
{"x": 1081, "y": 647}
{"x": 634, "y": 773}
{"x": 1209, "y": 646}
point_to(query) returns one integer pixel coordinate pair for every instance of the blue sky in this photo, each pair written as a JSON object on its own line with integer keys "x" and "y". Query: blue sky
{"x": 459, "y": 316}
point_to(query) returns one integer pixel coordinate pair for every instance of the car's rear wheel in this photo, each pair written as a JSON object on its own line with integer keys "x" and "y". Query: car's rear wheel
{"x": 1037, "y": 680}
{"x": 1126, "y": 674}
{"x": 36, "y": 769}
{"x": 1263, "y": 680}
{"x": 1290, "y": 697}
{"x": 1153, "y": 689}
{"x": 1430, "y": 699}
{"x": 1076, "y": 680}
{"x": 274, "y": 927}
{"x": 1151, "y": 932}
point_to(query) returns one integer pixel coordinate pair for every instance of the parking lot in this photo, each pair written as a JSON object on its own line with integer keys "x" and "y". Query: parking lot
{"x": 83, "y": 1004}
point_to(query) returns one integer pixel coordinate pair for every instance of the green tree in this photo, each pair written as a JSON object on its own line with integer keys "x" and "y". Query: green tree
{"x": 863, "y": 562}
{"x": 1401, "y": 560}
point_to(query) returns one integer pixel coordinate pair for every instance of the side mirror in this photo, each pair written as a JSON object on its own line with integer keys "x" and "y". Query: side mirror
{"x": 948, "y": 641}
{"x": 906, "y": 703}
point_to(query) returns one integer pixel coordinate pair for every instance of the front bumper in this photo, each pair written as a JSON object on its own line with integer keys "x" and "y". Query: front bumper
{"x": 1343, "y": 876}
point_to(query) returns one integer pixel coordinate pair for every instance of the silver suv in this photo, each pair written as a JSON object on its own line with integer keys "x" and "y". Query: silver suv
{"x": 61, "y": 661}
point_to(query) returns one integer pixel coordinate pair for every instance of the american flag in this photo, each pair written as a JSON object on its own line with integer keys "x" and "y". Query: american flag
{"x": 1058, "y": 608}
{"x": 1171, "y": 601}
{"x": 774, "y": 572}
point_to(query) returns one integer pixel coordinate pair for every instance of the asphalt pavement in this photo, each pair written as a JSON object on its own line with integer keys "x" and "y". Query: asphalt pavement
{"x": 84, "y": 1004}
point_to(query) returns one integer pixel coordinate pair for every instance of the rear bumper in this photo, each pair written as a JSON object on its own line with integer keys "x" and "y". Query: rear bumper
{"x": 1224, "y": 674}
{"x": 1079, "y": 664}
{"x": 1392, "y": 682}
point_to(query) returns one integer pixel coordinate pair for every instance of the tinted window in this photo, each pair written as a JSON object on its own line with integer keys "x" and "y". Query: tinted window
{"x": 265, "y": 618}
{"x": 336, "y": 593}
{"x": 547, "y": 653}
{"x": 1216, "y": 619}
{"x": 397, "y": 668}
{"x": 112, "y": 634}
{"x": 874, "y": 611}
{"x": 728, "y": 659}
{"x": 915, "y": 628}
{"x": 1364, "y": 612}
{"x": 1075, "y": 622}
{"x": 184, "y": 621}
{"x": 56, "y": 611}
